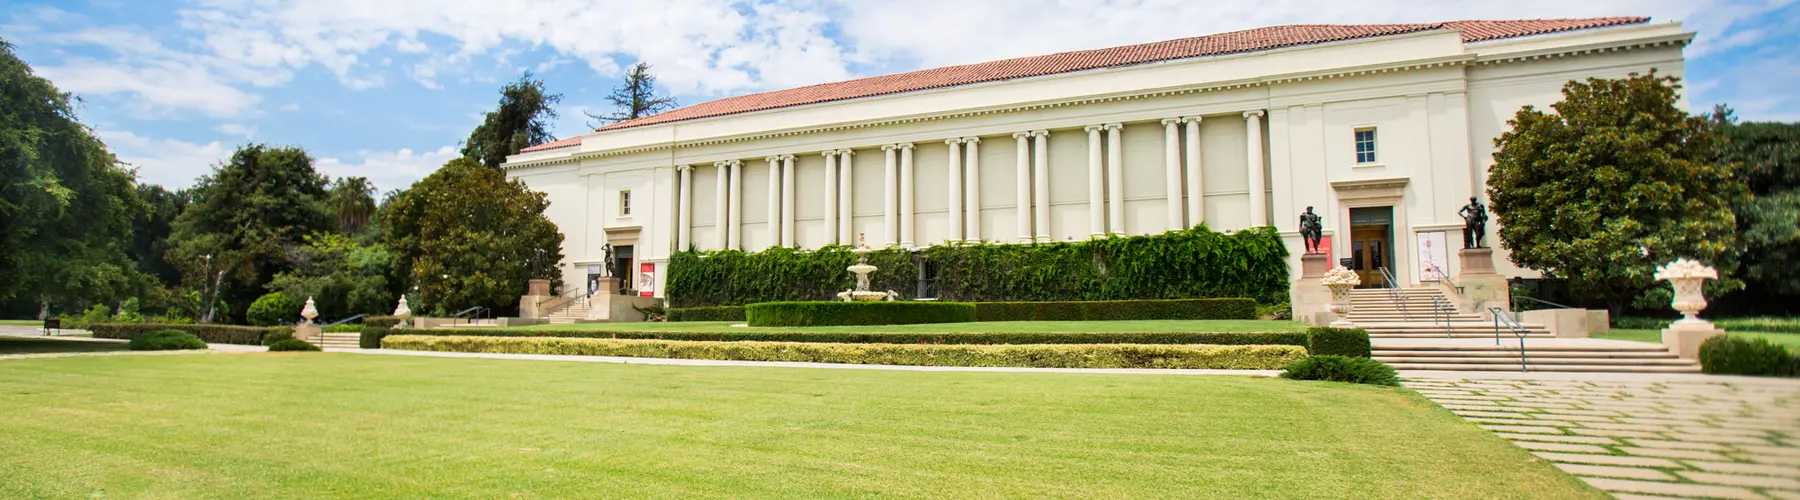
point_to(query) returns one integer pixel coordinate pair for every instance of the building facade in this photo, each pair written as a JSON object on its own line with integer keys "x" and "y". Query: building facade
{"x": 1385, "y": 131}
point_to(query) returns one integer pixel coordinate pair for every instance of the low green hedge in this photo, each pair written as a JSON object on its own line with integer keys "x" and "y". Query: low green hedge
{"x": 212, "y": 334}
{"x": 834, "y": 313}
{"x": 1116, "y": 310}
{"x": 720, "y": 313}
{"x": 1251, "y": 357}
{"x": 373, "y": 329}
{"x": 292, "y": 345}
{"x": 1353, "y": 342}
{"x": 956, "y": 338}
{"x": 1730, "y": 355}
{"x": 1342, "y": 369}
{"x": 165, "y": 340}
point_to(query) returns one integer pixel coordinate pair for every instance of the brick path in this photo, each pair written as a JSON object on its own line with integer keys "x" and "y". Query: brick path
{"x": 1644, "y": 439}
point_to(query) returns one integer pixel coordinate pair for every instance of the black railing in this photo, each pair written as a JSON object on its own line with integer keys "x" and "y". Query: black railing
{"x": 1439, "y": 305}
{"x": 1500, "y": 317}
{"x": 1517, "y": 298}
{"x": 345, "y": 320}
{"x": 472, "y": 314}
{"x": 1394, "y": 294}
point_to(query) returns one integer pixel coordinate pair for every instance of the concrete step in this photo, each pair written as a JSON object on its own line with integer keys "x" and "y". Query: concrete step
{"x": 1513, "y": 352}
{"x": 1460, "y": 367}
{"x": 1537, "y": 360}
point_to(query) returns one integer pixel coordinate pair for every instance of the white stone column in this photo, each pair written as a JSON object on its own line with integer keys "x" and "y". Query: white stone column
{"x": 1022, "y": 186}
{"x": 787, "y": 201}
{"x": 890, "y": 212}
{"x": 735, "y": 230}
{"x": 1040, "y": 188}
{"x": 831, "y": 196}
{"x": 723, "y": 203}
{"x": 1196, "y": 207}
{"x": 1096, "y": 182}
{"x": 906, "y": 194}
{"x": 1172, "y": 173}
{"x": 846, "y": 215}
{"x": 1259, "y": 207}
{"x": 1115, "y": 180}
{"x": 684, "y": 227}
{"x": 972, "y": 167}
{"x": 774, "y": 200}
{"x": 956, "y": 194}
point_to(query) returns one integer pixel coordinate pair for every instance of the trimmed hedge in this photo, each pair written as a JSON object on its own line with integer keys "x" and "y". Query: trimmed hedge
{"x": 823, "y": 313}
{"x": 1116, "y": 310}
{"x": 1342, "y": 369}
{"x": 292, "y": 345}
{"x": 720, "y": 313}
{"x": 1730, "y": 355}
{"x": 1299, "y": 339}
{"x": 165, "y": 340}
{"x": 1255, "y": 357}
{"x": 212, "y": 334}
{"x": 1353, "y": 342}
{"x": 374, "y": 328}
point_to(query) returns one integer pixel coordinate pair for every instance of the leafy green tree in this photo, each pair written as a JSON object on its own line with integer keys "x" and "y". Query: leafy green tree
{"x": 245, "y": 221}
{"x": 353, "y": 198}
{"x": 274, "y": 308}
{"x": 523, "y": 119}
{"x": 343, "y": 277}
{"x": 150, "y": 231}
{"x": 636, "y": 97}
{"x": 469, "y": 237}
{"x": 1615, "y": 182}
{"x": 66, "y": 205}
{"x": 1769, "y": 157}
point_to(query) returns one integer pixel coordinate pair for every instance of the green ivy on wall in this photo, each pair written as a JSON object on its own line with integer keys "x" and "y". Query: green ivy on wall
{"x": 1193, "y": 263}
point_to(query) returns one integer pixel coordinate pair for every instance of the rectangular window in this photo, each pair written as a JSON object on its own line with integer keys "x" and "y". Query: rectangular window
{"x": 1365, "y": 145}
{"x": 625, "y": 203}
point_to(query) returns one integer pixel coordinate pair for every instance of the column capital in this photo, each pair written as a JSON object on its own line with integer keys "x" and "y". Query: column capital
{"x": 772, "y": 158}
{"x": 889, "y": 147}
{"x": 727, "y": 163}
{"x": 1115, "y": 126}
{"x": 953, "y": 142}
{"x": 1170, "y": 122}
{"x": 904, "y": 145}
{"x": 787, "y": 157}
{"x": 1253, "y": 113}
{"x": 1093, "y": 128}
{"x": 1040, "y": 133}
{"x": 1021, "y": 135}
{"x": 683, "y": 168}
{"x": 846, "y": 152}
{"x": 1190, "y": 119}
{"x": 828, "y": 153}
{"x": 971, "y": 140}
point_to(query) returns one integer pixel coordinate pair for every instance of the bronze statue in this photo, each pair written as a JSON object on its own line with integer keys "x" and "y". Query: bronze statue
{"x": 1311, "y": 230}
{"x": 1474, "y": 224}
{"x": 612, "y": 268}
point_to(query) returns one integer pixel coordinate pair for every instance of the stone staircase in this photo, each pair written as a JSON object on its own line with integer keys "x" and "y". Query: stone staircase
{"x": 341, "y": 340}
{"x": 568, "y": 313}
{"x": 1422, "y": 331}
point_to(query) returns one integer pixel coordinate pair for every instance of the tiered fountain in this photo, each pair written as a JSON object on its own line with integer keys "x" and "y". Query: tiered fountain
{"x": 862, "y": 270}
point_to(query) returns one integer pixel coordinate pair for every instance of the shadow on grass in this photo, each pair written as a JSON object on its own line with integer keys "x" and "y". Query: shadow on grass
{"x": 16, "y": 345}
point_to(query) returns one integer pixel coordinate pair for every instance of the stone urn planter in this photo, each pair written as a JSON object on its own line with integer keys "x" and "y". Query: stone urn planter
{"x": 403, "y": 313}
{"x": 1340, "y": 281}
{"x": 1688, "y": 277}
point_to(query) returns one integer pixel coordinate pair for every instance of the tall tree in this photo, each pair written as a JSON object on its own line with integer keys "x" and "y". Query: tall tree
{"x": 353, "y": 198}
{"x": 66, "y": 204}
{"x": 151, "y": 229}
{"x": 1769, "y": 154}
{"x": 636, "y": 98}
{"x": 1615, "y": 182}
{"x": 470, "y": 237}
{"x": 245, "y": 221}
{"x": 523, "y": 119}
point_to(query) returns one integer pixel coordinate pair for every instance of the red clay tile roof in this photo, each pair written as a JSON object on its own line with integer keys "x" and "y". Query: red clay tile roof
{"x": 1210, "y": 45}
{"x": 559, "y": 143}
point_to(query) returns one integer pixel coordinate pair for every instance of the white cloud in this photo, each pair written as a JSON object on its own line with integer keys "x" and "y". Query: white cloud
{"x": 171, "y": 163}
{"x": 388, "y": 169}
{"x": 238, "y": 129}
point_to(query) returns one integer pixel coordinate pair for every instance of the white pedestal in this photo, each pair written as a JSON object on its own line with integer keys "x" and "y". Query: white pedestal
{"x": 1684, "y": 337}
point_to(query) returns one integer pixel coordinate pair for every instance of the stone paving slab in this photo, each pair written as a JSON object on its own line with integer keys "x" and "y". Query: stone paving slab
{"x": 1654, "y": 437}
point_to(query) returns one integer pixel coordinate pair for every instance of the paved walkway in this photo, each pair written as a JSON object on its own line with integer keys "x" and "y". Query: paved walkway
{"x": 1645, "y": 437}
{"x": 792, "y": 364}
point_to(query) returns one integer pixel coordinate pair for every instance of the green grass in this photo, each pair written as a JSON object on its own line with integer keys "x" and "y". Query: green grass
{"x": 368, "y": 426}
{"x": 22, "y": 322}
{"x": 17, "y": 345}
{"x": 1222, "y": 325}
{"x": 1788, "y": 340}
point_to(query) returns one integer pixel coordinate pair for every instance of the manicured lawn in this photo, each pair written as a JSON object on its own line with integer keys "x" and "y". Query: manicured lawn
{"x": 22, "y": 322}
{"x": 1229, "y": 325}
{"x": 17, "y": 345}
{"x": 1790, "y": 340}
{"x": 373, "y": 426}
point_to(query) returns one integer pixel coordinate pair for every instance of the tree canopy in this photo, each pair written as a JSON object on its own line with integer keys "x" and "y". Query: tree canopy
{"x": 353, "y": 199}
{"x": 523, "y": 119}
{"x": 1614, "y": 182}
{"x": 1769, "y": 156}
{"x": 247, "y": 218}
{"x": 470, "y": 237}
{"x": 636, "y": 97}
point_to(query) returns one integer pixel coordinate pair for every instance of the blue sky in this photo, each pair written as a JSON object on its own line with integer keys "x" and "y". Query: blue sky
{"x": 387, "y": 89}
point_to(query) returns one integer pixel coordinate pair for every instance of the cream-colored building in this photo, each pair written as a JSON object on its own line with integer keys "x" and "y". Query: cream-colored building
{"x": 1386, "y": 130}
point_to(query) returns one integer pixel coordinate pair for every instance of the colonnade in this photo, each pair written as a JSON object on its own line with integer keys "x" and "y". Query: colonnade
{"x": 1182, "y": 178}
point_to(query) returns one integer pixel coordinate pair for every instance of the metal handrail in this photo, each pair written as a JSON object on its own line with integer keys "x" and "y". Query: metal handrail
{"x": 1394, "y": 294}
{"x": 345, "y": 320}
{"x": 575, "y": 295}
{"x": 476, "y": 311}
{"x": 1445, "y": 307}
{"x": 1517, "y": 331}
{"x": 1516, "y": 299}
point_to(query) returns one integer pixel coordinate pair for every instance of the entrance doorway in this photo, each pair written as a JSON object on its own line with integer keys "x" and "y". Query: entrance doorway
{"x": 1372, "y": 244}
{"x": 622, "y": 266}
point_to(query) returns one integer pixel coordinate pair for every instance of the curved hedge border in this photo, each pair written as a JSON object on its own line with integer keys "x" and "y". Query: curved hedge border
{"x": 720, "y": 313}
{"x": 823, "y": 313}
{"x": 952, "y": 338}
{"x": 1252, "y": 357}
{"x": 1117, "y": 310}
{"x": 1351, "y": 342}
{"x": 212, "y": 334}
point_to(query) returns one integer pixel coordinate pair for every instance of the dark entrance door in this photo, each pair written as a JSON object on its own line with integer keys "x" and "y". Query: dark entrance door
{"x": 1372, "y": 244}
{"x": 623, "y": 267}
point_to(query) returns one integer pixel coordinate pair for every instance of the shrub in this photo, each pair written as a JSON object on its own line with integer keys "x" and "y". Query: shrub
{"x": 1353, "y": 342}
{"x": 822, "y": 313}
{"x": 1299, "y": 339}
{"x": 269, "y": 339}
{"x": 1253, "y": 357}
{"x": 1341, "y": 369}
{"x": 1114, "y": 310}
{"x": 719, "y": 313}
{"x": 216, "y": 334}
{"x": 1760, "y": 324}
{"x": 374, "y": 328}
{"x": 1730, "y": 355}
{"x": 292, "y": 344}
{"x": 273, "y": 309}
{"x": 1283, "y": 310}
{"x": 165, "y": 340}
{"x": 344, "y": 329}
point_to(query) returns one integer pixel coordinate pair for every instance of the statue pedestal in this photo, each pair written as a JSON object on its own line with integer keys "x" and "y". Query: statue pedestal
{"x": 537, "y": 292}
{"x": 1481, "y": 286}
{"x": 310, "y": 332}
{"x": 1684, "y": 337}
{"x": 607, "y": 304}
{"x": 1310, "y": 300}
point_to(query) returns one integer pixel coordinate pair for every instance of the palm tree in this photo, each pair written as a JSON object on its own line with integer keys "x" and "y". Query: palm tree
{"x": 353, "y": 198}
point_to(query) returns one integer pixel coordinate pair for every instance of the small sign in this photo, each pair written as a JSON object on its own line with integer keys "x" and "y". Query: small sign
{"x": 1434, "y": 256}
{"x": 647, "y": 279}
{"x": 1346, "y": 262}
